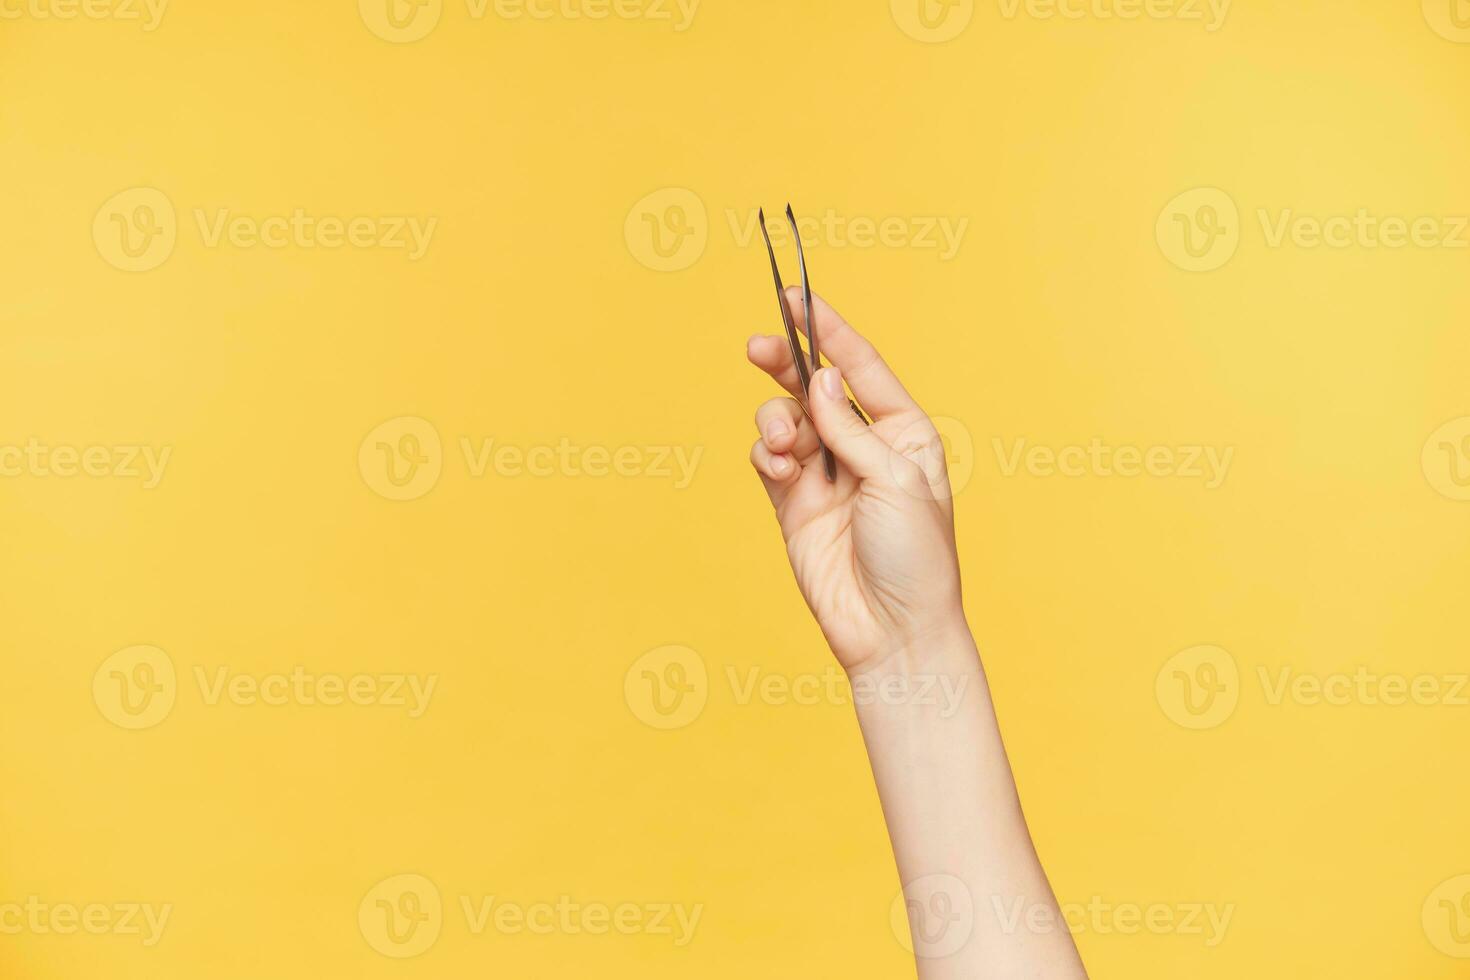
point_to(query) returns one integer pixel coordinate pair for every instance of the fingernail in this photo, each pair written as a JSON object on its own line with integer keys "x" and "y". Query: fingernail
{"x": 832, "y": 382}
{"x": 776, "y": 429}
{"x": 779, "y": 465}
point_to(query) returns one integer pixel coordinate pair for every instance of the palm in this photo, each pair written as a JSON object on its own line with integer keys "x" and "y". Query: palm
{"x": 863, "y": 550}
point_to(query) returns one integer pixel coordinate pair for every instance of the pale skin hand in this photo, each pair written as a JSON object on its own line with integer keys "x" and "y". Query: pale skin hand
{"x": 874, "y": 552}
{"x": 874, "y": 555}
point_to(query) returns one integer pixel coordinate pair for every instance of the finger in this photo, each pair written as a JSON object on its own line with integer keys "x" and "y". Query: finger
{"x": 778, "y": 471}
{"x": 773, "y": 356}
{"x": 785, "y": 428}
{"x": 856, "y": 445}
{"x": 877, "y": 388}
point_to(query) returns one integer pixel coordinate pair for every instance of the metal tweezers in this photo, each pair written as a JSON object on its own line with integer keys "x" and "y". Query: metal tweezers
{"x": 803, "y": 371}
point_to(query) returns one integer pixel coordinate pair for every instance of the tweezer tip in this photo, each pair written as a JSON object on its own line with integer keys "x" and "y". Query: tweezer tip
{"x": 789, "y": 213}
{"x": 762, "y": 213}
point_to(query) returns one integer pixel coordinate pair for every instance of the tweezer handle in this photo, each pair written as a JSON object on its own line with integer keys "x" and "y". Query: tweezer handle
{"x": 803, "y": 372}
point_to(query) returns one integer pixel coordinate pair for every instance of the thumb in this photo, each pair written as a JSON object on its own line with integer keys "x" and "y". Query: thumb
{"x": 850, "y": 440}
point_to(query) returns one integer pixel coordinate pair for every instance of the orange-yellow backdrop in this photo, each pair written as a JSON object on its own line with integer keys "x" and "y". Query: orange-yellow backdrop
{"x": 281, "y": 280}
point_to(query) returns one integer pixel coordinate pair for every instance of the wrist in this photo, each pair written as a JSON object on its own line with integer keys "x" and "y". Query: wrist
{"x": 943, "y": 646}
{"x": 929, "y": 683}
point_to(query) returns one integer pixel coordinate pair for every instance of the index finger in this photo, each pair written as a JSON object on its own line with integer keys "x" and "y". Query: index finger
{"x": 877, "y": 388}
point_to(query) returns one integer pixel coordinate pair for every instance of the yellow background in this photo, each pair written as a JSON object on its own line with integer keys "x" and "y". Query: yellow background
{"x": 531, "y": 319}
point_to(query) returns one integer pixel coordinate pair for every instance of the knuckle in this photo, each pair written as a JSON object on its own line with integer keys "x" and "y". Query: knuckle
{"x": 773, "y": 406}
{"x": 920, "y": 440}
{"x": 905, "y": 470}
{"x": 865, "y": 356}
{"x": 910, "y": 476}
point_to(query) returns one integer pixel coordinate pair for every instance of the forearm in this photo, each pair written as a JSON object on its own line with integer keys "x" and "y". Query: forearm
{"x": 977, "y": 897}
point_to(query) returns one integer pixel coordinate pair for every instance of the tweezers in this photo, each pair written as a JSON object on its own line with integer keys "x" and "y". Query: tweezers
{"x": 804, "y": 371}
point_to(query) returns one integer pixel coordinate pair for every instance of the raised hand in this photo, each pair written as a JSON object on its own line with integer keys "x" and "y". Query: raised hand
{"x": 873, "y": 552}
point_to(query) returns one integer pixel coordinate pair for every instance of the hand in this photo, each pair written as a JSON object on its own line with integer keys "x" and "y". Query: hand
{"x": 874, "y": 552}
